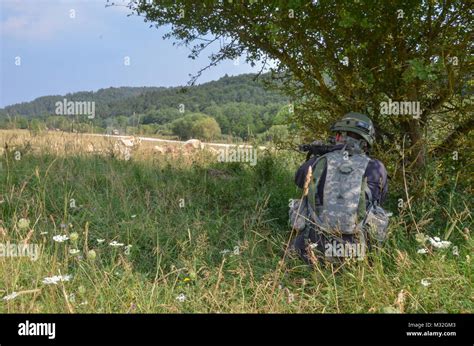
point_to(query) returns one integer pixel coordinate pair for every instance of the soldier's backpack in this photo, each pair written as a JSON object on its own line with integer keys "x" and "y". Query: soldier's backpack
{"x": 345, "y": 218}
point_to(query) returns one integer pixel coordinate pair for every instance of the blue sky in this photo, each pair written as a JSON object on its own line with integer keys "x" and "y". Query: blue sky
{"x": 58, "y": 54}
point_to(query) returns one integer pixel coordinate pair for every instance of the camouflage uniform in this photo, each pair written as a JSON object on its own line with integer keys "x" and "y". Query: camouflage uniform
{"x": 339, "y": 204}
{"x": 376, "y": 176}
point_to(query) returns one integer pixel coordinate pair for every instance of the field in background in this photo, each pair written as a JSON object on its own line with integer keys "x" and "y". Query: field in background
{"x": 66, "y": 143}
{"x": 177, "y": 231}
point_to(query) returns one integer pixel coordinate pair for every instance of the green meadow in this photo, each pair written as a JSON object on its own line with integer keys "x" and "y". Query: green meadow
{"x": 163, "y": 234}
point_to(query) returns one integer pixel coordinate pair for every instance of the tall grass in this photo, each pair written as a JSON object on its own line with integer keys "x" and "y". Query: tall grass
{"x": 217, "y": 252}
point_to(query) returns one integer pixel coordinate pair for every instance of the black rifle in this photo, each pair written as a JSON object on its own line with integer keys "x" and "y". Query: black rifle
{"x": 318, "y": 148}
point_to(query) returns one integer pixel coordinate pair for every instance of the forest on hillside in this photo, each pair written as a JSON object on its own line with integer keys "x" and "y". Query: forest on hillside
{"x": 238, "y": 106}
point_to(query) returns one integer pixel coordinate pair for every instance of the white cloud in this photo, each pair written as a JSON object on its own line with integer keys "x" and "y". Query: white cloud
{"x": 48, "y": 19}
{"x": 33, "y": 20}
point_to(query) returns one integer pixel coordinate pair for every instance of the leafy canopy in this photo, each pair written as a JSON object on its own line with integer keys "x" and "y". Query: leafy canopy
{"x": 332, "y": 57}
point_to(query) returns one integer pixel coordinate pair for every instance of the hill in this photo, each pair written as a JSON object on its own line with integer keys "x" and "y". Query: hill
{"x": 240, "y": 104}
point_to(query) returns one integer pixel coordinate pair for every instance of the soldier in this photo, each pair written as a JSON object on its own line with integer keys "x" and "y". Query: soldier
{"x": 342, "y": 211}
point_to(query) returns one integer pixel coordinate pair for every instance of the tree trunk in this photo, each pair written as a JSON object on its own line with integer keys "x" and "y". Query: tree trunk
{"x": 417, "y": 152}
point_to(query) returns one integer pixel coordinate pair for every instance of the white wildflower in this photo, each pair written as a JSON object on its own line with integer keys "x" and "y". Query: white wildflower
{"x": 422, "y": 251}
{"x": 91, "y": 255}
{"x": 181, "y": 298}
{"x": 438, "y": 243}
{"x": 390, "y": 310}
{"x": 11, "y": 296}
{"x": 55, "y": 279}
{"x": 60, "y": 238}
{"x": 425, "y": 282}
{"x": 23, "y": 224}
{"x": 115, "y": 244}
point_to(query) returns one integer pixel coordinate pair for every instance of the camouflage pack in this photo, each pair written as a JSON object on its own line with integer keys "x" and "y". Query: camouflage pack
{"x": 342, "y": 191}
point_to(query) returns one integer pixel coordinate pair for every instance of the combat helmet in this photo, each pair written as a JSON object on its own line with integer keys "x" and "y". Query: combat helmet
{"x": 356, "y": 123}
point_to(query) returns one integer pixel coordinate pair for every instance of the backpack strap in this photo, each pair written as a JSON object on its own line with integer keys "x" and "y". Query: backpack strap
{"x": 369, "y": 193}
{"x": 318, "y": 168}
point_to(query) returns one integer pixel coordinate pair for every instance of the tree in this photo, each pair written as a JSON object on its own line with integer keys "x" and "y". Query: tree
{"x": 336, "y": 56}
{"x": 122, "y": 121}
{"x": 37, "y": 126}
{"x": 123, "y": 109}
{"x": 283, "y": 115}
{"x": 206, "y": 128}
{"x": 183, "y": 127}
{"x": 278, "y": 133}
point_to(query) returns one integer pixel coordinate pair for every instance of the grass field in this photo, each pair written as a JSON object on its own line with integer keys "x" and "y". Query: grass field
{"x": 195, "y": 235}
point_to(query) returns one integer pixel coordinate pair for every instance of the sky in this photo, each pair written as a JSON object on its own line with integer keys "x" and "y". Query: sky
{"x": 52, "y": 47}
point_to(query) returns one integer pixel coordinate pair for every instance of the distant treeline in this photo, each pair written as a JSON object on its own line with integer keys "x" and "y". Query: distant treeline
{"x": 231, "y": 106}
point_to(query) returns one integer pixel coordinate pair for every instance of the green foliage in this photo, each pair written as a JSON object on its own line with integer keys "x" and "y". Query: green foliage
{"x": 36, "y": 126}
{"x": 241, "y": 106}
{"x": 183, "y": 127}
{"x": 283, "y": 116}
{"x": 417, "y": 70}
{"x": 206, "y": 128}
{"x": 278, "y": 134}
{"x": 352, "y": 58}
{"x": 181, "y": 250}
